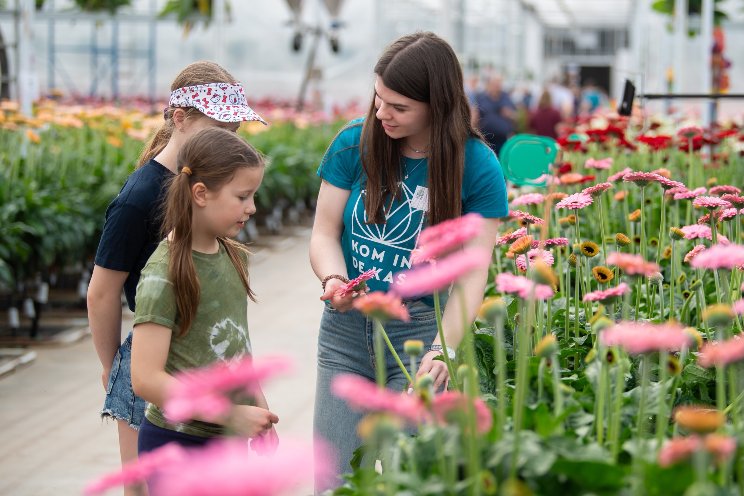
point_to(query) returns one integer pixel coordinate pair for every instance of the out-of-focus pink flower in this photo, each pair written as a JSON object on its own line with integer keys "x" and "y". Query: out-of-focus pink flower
{"x": 710, "y": 202}
{"x": 604, "y": 163}
{"x": 643, "y": 337}
{"x": 363, "y": 395}
{"x": 451, "y": 406}
{"x": 678, "y": 449}
{"x": 689, "y": 132}
{"x": 575, "y": 201}
{"x": 720, "y": 446}
{"x": 547, "y": 243}
{"x": 693, "y": 253}
{"x": 695, "y": 231}
{"x": 522, "y": 287}
{"x": 526, "y": 217}
{"x": 595, "y": 190}
{"x": 632, "y": 264}
{"x": 642, "y": 178}
{"x": 673, "y": 191}
{"x": 724, "y": 189}
{"x": 619, "y": 175}
{"x": 720, "y": 256}
{"x": 719, "y": 353}
{"x": 508, "y": 238}
{"x": 669, "y": 184}
{"x": 534, "y": 254}
{"x": 228, "y": 467}
{"x": 607, "y": 294}
{"x": 382, "y": 306}
{"x": 466, "y": 227}
{"x": 528, "y": 199}
{"x": 734, "y": 199}
{"x": 205, "y": 393}
{"x": 357, "y": 284}
{"x": 690, "y": 194}
{"x": 424, "y": 280}
{"x": 738, "y": 306}
{"x": 138, "y": 471}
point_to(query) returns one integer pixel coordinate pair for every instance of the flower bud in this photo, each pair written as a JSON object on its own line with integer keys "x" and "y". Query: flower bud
{"x": 610, "y": 356}
{"x": 491, "y": 309}
{"x": 413, "y": 347}
{"x": 635, "y": 215}
{"x": 699, "y": 419}
{"x": 621, "y": 239}
{"x": 601, "y": 324}
{"x": 676, "y": 233}
{"x": 696, "y": 336}
{"x": 589, "y": 249}
{"x": 719, "y": 315}
{"x": 547, "y": 346}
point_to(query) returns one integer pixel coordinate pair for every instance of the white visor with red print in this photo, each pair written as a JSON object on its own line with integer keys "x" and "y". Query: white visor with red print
{"x": 223, "y": 102}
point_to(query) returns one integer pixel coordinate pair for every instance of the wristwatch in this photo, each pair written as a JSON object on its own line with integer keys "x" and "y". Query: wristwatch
{"x": 438, "y": 347}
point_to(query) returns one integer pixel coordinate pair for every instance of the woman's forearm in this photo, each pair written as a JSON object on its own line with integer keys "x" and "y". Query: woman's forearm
{"x": 326, "y": 256}
{"x": 104, "y": 319}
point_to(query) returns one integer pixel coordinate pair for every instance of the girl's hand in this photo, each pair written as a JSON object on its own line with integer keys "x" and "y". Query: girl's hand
{"x": 437, "y": 369}
{"x": 341, "y": 304}
{"x": 266, "y": 443}
{"x": 251, "y": 421}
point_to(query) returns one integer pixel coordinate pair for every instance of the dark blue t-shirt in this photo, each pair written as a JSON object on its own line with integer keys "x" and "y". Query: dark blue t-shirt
{"x": 387, "y": 247}
{"x": 131, "y": 231}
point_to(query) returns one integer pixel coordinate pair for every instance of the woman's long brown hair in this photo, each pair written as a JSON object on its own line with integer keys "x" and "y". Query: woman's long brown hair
{"x": 213, "y": 155}
{"x": 423, "y": 67}
{"x": 201, "y": 72}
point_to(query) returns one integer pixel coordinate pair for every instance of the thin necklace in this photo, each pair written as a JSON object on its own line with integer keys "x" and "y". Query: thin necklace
{"x": 409, "y": 172}
{"x": 420, "y": 152}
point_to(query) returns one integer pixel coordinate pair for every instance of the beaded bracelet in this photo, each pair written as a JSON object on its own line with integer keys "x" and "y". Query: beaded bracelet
{"x": 333, "y": 276}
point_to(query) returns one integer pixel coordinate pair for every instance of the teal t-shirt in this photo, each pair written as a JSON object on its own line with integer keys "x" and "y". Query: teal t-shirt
{"x": 387, "y": 247}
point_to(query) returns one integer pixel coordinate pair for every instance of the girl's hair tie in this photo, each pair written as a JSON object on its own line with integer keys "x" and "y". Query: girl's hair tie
{"x": 186, "y": 170}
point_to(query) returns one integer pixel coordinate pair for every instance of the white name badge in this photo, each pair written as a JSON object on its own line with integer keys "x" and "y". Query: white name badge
{"x": 420, "y": 200}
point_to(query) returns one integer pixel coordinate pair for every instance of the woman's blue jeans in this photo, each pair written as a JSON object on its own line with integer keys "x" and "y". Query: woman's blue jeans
{"x": 346, "y": 346}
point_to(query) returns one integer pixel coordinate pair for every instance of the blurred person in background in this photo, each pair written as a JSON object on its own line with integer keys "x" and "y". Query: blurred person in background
{"x": 496, "y": 113}
{"x": 545, "y": 118}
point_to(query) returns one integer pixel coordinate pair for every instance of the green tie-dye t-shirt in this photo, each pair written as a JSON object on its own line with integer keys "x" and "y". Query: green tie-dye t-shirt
{"x": 219, "y": 330}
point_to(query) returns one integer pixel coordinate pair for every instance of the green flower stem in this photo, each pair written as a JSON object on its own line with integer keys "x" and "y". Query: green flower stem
{"x": 566, "y": 286}
{"x": 522, "y": 379}
{"x": 499, "y": 353}
{"x": 661, "y": 412}
{"x": 555, "y": 367}
{"x": 602, "y": 228}
{"x": 381, "y": 330}
{"x": 576, "y": 302}
{"x": 445, "y": 353}
{"x": 700, "y": 462}
{"x": 662, "y": 228}
{"x": 672, "y": 281}
{"x": 380, "y": 372}
{"x": 599, "y": 419}
{"x": 641, "y": 420}
{"x": 541, "y": 380}
{"x": 614, "y": 431}
{"x": 661, "y": 301}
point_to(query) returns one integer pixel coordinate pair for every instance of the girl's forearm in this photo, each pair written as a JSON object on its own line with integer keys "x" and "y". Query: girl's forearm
{"x": 152, "y": 386}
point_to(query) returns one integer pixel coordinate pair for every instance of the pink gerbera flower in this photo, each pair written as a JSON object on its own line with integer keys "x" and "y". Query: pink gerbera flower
{"x": 673, "y": 191}
{"x": 693, "y": 253}
{"x": 452, "y": 407}
{"x": 678, "y": 449}
{"x": 524, "y": 216}
{"x": 597, "y": 189}
{"x": 724, "y": 189}
{"x": 710, "y": 202}
{"x": 547, "y": 243}
{"x": 575, "y": 202}
{"x": 534, "y": 254}
{"x": 734, "y": 199}
{"x": 425, "y": 280}
{"x": 607, "y": 294}
{"x": 446, "y": 237}
{"x": 522, "y": 287}
{"x": 528, "y": 199}
{"x": 720, "y": 256}
{"x": 696, "y": 231}
{"x": 669, "y": 184}
{"x": 619, "y": 175}
{"x": 364, "y": 395}
{"x": 603, "y": 164}
{"x": 357, "y": 284}
{"x": 644, "y": 337}
{"x": 642, "y": 178}
{"x": 206, "y": 393}
{"x": 738, "y": 306}
{"x": 720, "y": 353}
{"x": 508, "y": 238}
{"x": 382, "y": 306}
{"x": 632, "y": 264}
{"x": 690, "y": 194}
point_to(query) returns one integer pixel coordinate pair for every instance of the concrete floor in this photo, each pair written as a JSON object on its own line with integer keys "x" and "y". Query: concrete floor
{"x": 52, "y": 441}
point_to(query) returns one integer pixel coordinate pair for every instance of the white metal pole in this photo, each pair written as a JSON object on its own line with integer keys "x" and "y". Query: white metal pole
{"x": 28, "y": 81}
{"x": 680, "y": 39}
{"x": 706, "y": 39}
{"x": 218, "y": 18}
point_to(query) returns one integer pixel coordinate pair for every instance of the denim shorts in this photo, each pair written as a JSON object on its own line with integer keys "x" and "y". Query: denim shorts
{"x": 121, "y": 402}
